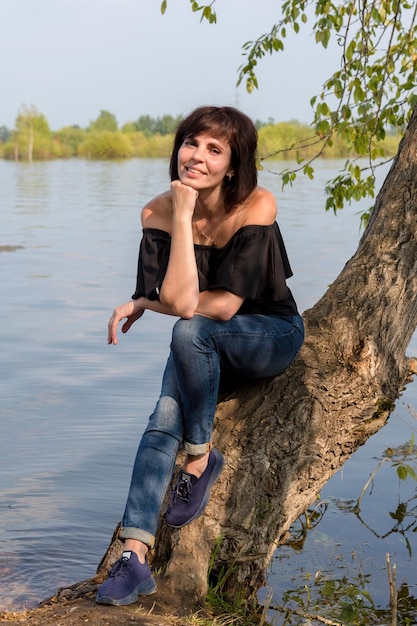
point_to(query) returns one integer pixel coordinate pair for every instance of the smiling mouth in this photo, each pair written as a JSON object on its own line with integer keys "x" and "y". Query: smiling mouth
{"x": 192, "y": 170}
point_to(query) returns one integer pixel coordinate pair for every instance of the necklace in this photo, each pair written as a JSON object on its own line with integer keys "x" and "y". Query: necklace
{"x": 210, "y": 238}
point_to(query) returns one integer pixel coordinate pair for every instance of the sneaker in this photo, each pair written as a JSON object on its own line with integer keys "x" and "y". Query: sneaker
{"x": 190, "y": 495}
{"x": 128, "y": 579}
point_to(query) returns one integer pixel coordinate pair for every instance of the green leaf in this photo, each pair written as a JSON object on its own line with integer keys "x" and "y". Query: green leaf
{"x": 411, "y": 472}
{"x": 309, "y": 171}
{"x": 330, "y": 204}
{"x": 338, "y": 89}
{"x": 164, "y": 6}
{"x": 402, "y": 472}
{"x": 323, "y": 109}
{"x": 358, "y": 94}
{"x": 326, "y": 38}
{"x": 322, "y": 128}
{"x": 348, "y": 613}
{"x": 350, "y": 51}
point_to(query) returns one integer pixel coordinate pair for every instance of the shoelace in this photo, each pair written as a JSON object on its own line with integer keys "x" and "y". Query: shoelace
{"x": 183, "y": 489}
{"x": 120, "y": 568}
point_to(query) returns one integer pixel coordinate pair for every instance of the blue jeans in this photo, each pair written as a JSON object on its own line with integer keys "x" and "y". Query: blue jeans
{"x": 248, "y": 346}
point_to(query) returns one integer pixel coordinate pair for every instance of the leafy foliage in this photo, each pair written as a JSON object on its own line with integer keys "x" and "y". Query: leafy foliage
{"x": 4, "y": 133}
{"x": 105, "y": 145}
{"x": 342, "y": 601}
{"x": 101, "y": 140}
{"x": 153, "y": 146}
{"x": 371, "y": 93}
{"x": 149, "y": 137}
{"x": 105, "y": 121}
{"x": 148, "y": 125}
{"x": 286, "y": 141}
{"x": 32, "y": 137}
{"x": 404, "y": 459}
{"x": 374, "y": 88}
{"x": 69, "y": 138}
{"x": 207, "y": 11}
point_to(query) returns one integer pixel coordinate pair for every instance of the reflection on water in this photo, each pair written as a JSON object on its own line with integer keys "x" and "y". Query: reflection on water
{"x": 72, "y": 408}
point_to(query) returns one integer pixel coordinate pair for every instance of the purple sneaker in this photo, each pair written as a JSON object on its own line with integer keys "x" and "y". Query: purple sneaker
{"x": 190, "y": 495}
{"x": 128, "y": 579}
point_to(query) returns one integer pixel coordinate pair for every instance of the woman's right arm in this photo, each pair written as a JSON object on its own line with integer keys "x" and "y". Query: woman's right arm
{"x": 180, "y": 287}
{"x": 179, "y": 294}
{"x": 172, "y": 212}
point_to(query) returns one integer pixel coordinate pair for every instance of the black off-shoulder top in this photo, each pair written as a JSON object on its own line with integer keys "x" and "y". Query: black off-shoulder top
{"x": 253, "y": 264}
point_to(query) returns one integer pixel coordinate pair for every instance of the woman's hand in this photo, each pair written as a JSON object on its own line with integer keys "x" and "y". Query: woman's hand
{"x": 184, "y": 198}
{"x": 129, "y": 310}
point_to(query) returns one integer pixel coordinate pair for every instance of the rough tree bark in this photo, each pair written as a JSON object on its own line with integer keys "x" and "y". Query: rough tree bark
{"x": 284, "y": 438}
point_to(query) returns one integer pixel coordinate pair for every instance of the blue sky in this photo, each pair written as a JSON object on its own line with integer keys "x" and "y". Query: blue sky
{"x": 72, "y": 58}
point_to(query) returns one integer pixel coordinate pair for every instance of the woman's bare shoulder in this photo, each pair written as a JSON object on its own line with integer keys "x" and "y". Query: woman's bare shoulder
{"x": 260, "y": 207}
{"x": 157, "y": 213}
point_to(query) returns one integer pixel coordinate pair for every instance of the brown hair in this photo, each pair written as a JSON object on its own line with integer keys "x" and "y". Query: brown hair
{"x": 239, "y": 131}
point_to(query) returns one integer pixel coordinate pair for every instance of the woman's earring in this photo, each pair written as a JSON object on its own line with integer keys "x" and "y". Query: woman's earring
{"x": 229, "y": 176}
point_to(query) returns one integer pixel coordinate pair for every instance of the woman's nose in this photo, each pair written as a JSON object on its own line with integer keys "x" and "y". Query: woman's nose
{"x": 197, "y": 153}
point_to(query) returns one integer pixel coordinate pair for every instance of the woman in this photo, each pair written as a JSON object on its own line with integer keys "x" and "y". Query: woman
{"x": 211, "y": 254}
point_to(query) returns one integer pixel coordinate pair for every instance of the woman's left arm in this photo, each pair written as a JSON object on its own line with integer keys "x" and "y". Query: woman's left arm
{"x": 218, "y": 304}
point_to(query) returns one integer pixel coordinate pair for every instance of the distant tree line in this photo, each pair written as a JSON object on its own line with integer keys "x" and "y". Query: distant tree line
{"x": 148, "y": 137}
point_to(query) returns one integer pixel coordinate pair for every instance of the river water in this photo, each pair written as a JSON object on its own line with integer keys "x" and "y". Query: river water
{"x": 72, "y": 408}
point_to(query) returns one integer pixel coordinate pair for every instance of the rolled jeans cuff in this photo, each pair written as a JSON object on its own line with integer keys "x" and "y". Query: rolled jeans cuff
{"x": 139, "y": 534}
{"x": 196, "y": 448}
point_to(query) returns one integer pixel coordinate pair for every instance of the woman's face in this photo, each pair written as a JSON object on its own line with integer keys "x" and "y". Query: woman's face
{"x": 204, "y": 161}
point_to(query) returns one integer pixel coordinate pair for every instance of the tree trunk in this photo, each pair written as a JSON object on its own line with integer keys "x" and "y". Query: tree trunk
{"x": 30, "y": 145}
{"x": 284, "y": 438}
